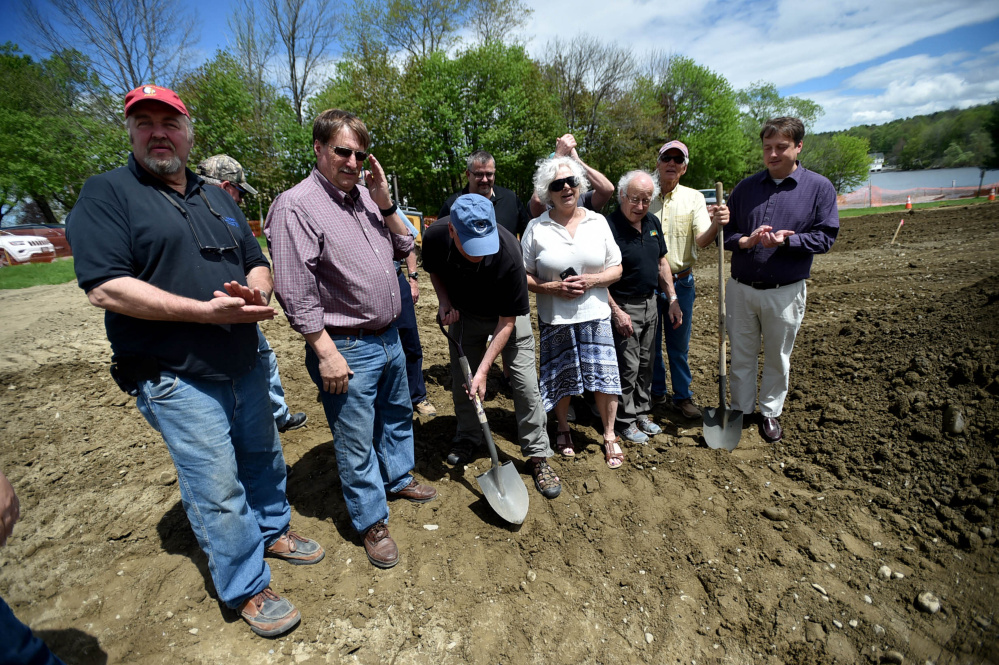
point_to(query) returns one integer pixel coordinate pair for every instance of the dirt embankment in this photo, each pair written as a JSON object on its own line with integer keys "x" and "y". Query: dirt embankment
{"x": 813, "y": 550}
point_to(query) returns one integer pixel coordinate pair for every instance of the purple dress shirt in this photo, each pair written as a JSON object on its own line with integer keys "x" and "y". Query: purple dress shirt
{"x": 804, "y": 202}
{"x": 332, "y": 257}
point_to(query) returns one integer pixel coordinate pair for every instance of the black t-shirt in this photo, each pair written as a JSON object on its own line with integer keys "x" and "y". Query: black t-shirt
{"x": 496, "y": 286}
{"x": 510, "y": 212}
{"x": 640, "y": 254}
{"x": 123, "y": 226}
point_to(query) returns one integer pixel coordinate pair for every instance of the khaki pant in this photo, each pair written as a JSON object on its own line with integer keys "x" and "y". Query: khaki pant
{"x": 634, "y": 359}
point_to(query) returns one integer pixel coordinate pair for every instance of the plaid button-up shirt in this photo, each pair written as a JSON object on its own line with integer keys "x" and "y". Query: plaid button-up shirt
{"x": 332, "y": 256}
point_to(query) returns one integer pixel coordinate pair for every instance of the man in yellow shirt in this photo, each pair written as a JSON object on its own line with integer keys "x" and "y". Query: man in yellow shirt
{"x": 688, "y": 224}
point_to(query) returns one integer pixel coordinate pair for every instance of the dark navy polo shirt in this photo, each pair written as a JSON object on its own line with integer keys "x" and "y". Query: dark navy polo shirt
{"x": 640, "y": 254}
{"x": 804, "y": 202}
{"x": 123, "y": 226}
{"x": 495, "y": 286}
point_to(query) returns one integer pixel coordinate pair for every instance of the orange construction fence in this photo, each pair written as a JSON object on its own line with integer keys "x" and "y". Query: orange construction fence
{"x": 872, "y": 196}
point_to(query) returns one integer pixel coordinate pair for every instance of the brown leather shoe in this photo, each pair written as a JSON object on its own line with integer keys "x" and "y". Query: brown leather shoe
{"x": 296, "y": 550}
{"x": 268, "y": 614}
{"x": 415, "y": 492}
{"x": 380, "y": 547}
{"x": 688, "y": 409}
{"x": 771, "y": 430}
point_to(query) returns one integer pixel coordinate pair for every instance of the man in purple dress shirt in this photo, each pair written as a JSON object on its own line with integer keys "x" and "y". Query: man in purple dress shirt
{"x": 781, "y": 217}
{"x": 333, "y": 244}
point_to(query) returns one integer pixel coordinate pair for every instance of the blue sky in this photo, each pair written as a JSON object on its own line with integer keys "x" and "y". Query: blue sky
{"x": 864, "y": 61}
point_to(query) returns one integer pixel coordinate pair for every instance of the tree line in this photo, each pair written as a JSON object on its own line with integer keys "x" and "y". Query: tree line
{"x": 433, "y": 80}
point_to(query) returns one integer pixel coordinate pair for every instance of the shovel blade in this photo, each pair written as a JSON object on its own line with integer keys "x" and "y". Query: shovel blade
{"x": 505, "y": 491}
{"x": 722, "y": 428}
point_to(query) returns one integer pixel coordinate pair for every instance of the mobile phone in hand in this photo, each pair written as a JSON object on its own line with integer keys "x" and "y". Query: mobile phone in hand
{"x": 568, "y": 272}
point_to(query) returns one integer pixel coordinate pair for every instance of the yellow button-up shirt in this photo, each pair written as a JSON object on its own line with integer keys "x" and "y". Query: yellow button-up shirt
{"x": 684, "y": 216}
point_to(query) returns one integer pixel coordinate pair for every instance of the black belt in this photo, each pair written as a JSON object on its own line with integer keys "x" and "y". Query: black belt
{"x": 682, "y": 273}
{"x": 765, "y": 285}
{"x": 355, "y": 332}
{"x": 634, "y": 300}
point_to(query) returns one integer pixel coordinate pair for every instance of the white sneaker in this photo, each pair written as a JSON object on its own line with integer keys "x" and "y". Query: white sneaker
{"x": 633, "y": 435}
{"x": 646, "y": 425}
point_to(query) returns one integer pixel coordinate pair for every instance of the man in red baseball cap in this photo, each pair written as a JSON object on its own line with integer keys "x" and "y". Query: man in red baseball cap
{"x": 184, "y": 282}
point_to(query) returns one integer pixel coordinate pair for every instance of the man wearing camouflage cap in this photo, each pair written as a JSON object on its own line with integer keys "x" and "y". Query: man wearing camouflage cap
{"x": 225, "y": 172}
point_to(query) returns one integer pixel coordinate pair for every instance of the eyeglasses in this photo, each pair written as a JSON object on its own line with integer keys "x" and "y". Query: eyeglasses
{"x": 197, "y": 238}
{"x": 676, "y": 159}
{"x": 559, "y": 185}
{"x": 341, "y": 151}
{"x": 483, "y": 175}
{"x": 639, "y": 201}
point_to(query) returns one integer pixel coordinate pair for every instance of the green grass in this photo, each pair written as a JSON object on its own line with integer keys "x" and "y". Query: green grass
{"x": 59, "y": 271}
{"x": 860, "y": 212}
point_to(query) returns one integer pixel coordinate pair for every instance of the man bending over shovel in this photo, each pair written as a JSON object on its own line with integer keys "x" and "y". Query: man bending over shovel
{"x": 477, "y": 270}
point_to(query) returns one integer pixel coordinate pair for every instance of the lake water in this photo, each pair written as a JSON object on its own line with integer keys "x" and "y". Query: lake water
{"x": 899, "y": 180}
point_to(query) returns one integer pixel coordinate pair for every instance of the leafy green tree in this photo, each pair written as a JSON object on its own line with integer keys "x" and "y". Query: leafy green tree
{"x": 255, "y": 125}
{"x": 53, "y": 132}
{"x": 840, "y": 157}
{"x": 699, "y": 107}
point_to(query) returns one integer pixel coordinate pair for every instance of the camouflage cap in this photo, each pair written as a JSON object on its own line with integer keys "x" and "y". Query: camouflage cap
{"x": 219, "y": 168}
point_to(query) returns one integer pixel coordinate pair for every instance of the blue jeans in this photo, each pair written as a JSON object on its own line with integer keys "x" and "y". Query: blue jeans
{"x": 279, "y": 408}
{"x": 409, "y": 335}
{"x": 230, "y": 469}
{"x": 372, "y": 423}
{"x": 19, "y": 645}
{"x": 677, "y": 343}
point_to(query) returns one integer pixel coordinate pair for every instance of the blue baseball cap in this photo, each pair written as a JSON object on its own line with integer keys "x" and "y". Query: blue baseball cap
{"x": 474, "y": 220}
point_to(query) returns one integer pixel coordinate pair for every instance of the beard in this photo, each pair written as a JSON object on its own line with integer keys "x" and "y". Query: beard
{"x": 163, "y": 167}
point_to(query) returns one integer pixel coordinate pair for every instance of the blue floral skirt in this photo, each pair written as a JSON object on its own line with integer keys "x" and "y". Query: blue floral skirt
{"x": 577, "y": 357}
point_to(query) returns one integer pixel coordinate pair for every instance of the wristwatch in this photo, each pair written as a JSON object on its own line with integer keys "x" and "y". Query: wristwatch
{"x": 673, "y": 298}
{"x": 414, "y": 275}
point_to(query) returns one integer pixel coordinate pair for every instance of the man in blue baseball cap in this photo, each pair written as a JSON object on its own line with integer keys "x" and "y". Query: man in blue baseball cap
{"x": 477, "y": 270}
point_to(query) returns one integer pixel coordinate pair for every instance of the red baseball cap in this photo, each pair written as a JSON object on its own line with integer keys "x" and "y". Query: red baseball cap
{"x": 156, "y": 94}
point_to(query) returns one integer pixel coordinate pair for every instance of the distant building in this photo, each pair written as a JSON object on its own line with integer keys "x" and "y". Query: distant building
{"x": 877, "y": 161}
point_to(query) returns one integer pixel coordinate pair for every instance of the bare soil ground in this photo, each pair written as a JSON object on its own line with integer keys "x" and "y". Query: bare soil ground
{"x": 772, "y": 554}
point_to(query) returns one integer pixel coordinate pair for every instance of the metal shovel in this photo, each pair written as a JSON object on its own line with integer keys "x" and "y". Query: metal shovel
{"x": 722, "y": 426}
{"x": 502, "y": 485}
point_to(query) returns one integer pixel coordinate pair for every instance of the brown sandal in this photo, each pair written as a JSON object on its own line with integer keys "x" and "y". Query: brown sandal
{"x": 563, "y": 443}
{"x": 610, "y": 456}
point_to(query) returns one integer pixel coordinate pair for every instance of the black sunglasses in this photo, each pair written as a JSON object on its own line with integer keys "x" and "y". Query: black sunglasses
{"x": 359, "y": 155}
{"x": 676, "y": 159}
{"x": 558, "y": 185}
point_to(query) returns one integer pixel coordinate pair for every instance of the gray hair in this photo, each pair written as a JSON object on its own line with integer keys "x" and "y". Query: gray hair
{"x": 547, "y": 172}
{"x": 130, "y": 125}
{"x": 478, "y": 157}
{"x": 625, "y": 183}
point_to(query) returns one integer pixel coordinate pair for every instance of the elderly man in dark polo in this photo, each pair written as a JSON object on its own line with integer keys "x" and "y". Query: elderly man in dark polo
{"x": 634, "y": 312}
{"x": 781, "y": 218}
{"x": 333, "y": 243}
{"x": 184, "y": 282}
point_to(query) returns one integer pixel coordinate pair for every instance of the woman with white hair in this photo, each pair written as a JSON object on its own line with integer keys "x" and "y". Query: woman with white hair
{"x": 571, "y": 257}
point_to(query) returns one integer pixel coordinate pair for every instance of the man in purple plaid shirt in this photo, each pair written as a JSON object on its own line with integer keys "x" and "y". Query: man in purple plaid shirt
{"x": 333, "y": 244}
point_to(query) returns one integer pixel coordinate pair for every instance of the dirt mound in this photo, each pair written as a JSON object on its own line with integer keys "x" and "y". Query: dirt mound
{"x": 813, "y": 550}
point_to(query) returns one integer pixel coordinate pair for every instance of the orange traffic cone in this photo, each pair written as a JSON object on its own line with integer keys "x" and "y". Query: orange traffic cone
{"x": 992, "y": 194}
{"x": 908, "y": 203}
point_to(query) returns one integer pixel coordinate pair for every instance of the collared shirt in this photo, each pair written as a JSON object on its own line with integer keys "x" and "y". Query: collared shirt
{"x": 684, "y": 216}
{"x": 641, "y": 250}
{"x": 804, "y": 202}
{"x": 549, "y": 250}
{"x": 333, "y": 256}
{"x": 510, "y": 212}
{"x": 493, "y": 287}
{"x": 128, "y": 223}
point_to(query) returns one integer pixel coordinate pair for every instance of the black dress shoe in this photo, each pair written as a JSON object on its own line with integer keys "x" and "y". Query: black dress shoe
{"x": 294, "y": 421}
{"x": 771, "y": 430}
